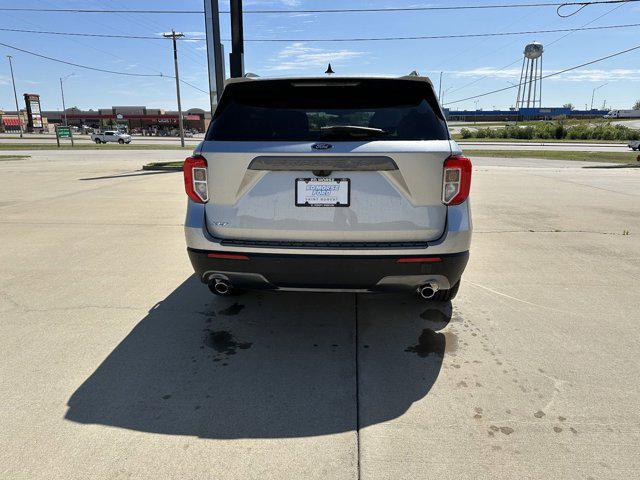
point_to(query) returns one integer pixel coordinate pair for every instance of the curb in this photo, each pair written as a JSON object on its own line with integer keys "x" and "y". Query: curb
{"x": 164, "y": 168}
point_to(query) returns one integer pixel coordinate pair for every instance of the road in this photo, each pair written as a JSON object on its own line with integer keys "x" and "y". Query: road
{"x": 577, "y": 146}
{"x": 86, "y": 139}
{"x": 116, "y": 363}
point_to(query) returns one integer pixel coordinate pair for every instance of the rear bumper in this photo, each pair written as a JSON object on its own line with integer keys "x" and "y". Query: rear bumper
{"x": 331, "y": 267}
{"x": 381, "y": 273}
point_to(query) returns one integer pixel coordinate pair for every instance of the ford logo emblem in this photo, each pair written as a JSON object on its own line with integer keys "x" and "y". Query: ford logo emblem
{"x": 321, "y": 146}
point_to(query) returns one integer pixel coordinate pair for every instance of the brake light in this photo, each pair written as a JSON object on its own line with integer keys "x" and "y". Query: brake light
{"x": 456, "y": 180}
{"x": 195, "y": 179}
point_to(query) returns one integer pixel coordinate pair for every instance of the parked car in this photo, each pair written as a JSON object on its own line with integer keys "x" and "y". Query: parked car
{"x": 111, "y": 136}
{"x": 634, "y": 145}
{"x": 329, "y": 184}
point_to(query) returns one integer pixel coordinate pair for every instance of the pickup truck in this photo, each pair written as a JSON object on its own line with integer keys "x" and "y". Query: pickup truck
{"x": 634, "y": 145}
{"x": 111, "y": 136}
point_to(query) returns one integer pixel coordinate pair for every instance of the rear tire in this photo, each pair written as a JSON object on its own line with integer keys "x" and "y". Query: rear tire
{"x": 446, "y": 295}
{"x": 121, "y": 142}
{"x": 98, "y": 142}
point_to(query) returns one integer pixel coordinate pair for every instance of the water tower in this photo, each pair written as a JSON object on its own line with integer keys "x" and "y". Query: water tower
{"x": 530, "y": 87}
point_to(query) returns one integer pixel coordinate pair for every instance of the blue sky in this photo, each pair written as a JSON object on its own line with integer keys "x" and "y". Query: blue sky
{"x": 463, "y": 60}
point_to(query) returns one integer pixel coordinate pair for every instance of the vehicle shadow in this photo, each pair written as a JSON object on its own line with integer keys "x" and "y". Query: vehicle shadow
{"x": 266, "y": 365}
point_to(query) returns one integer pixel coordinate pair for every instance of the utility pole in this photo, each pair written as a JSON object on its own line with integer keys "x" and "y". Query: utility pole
{"x": 174, "y": 35}
{"x": 440, "y": 90}
{"x": 236, "y": 57}
{"x": 215, "y": 52}
{"x": 15, "y": 95}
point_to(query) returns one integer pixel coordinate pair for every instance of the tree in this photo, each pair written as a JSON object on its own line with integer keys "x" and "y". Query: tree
{"x": 568, "y": 105}
{"x": 636, "y": 106}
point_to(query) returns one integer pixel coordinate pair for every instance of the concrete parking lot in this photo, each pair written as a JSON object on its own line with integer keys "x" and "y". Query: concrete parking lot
{"x": 115, "y": 362}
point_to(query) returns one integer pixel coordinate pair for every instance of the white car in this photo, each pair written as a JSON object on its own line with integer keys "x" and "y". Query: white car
{"x": 329, "y": 184}
{"x": 111, "y": 136}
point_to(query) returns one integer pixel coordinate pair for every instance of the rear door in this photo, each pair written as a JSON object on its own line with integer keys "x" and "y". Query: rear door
{"x": 327, "y": 161}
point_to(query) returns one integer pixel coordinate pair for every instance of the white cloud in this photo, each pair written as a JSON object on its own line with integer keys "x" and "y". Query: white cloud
{"x": 299, "y": 56}
{"x": 586, "y": 75}
{"x": 596, "y": 75}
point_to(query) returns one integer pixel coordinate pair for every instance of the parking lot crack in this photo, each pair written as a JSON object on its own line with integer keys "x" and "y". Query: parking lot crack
{"x": 516, "y": 299}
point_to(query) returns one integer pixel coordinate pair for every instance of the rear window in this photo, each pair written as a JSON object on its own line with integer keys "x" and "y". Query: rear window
{"x": 313, "y": 110}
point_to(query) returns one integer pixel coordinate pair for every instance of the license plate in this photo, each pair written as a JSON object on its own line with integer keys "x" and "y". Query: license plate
{"x": 323, "y": 192}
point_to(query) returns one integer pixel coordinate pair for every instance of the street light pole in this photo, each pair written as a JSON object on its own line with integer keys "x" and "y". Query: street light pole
{"x": 593, "y": 93}
{"x": 174, "y": 35}
{"x": 440, "y": 90}
{"x": 15, "y": 95}
{"x": 64, "y": 107}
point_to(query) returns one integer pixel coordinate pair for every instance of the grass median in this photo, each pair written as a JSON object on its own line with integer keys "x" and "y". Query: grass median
{"x": 458, "y": 138}
{"x": 612, "y": 157}
{"x": 13, "y": 157}
{"x": 91, "y": 146}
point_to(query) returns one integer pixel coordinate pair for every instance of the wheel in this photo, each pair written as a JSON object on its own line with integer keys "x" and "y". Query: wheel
{"x": 446, "y": 295}
{"x": 98, "y": 142}
{"x": 121, "y": 142}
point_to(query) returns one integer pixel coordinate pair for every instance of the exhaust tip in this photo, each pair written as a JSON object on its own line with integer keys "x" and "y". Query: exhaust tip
{"x": 220, "y": 287}
{"x": 428, "y": 291}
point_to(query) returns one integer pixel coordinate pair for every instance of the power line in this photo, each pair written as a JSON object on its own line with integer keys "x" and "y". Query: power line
{"x": 558, "y": 6}
{"x": 114, "y": 72}
{"x": 546, "y": 46}
{"x": 102, "y": 70}
{"x": 357, "y": 39}
{"x": 560, "y": 72}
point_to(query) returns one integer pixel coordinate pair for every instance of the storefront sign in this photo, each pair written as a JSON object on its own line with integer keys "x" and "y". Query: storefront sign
{"x": 34, "y": 115}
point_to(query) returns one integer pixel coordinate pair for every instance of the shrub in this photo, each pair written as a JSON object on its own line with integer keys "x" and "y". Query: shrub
{"x": 557, "y": 130}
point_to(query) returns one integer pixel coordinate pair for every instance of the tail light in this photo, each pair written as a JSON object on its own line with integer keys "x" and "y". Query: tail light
{"x": 195, "y": 179}
{"x": 456, "y": 180}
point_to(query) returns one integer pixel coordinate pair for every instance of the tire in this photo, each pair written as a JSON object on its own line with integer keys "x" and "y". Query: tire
{"x": 121, "y": 142}
{"x": 98, "y": 142}
{"x": 446, "y": 295}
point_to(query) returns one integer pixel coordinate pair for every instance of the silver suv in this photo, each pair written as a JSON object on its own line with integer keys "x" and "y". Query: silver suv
{"x": 329, "y": 184}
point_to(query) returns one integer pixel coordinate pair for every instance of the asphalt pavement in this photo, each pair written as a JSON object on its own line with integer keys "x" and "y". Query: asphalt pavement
{"x": 115, "y": 362}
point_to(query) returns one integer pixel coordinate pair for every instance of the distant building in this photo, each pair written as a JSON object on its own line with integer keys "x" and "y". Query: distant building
{"x": 137, "y": 119}
{"x": 10, "y": 121}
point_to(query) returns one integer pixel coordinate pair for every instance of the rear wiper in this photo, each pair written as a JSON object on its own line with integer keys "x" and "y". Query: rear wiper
{"x": 353, "y": 130}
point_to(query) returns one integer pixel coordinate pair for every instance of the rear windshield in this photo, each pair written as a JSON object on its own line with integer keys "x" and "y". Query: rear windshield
{"x": 281, "y": 110}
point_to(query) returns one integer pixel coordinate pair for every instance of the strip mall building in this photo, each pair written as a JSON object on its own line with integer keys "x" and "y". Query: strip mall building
{"x": 132, "y": 118}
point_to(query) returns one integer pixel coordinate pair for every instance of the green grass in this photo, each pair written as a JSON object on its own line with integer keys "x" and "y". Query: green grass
{"x": 89, "y": 146}
{"x": 458, "y": 138}
{"x": 13, "y": 157}
{"x": 614, "y": 157}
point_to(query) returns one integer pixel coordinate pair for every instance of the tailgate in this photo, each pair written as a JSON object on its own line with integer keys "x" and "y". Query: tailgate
{"x": 394, "y": 191}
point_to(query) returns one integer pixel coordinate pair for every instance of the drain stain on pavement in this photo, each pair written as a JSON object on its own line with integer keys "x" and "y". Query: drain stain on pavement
{"x": 431, "y": 342}
{"x": 436, "y": 316}
{"x": 234, "y": 309}
{"x": 225, "y": 343}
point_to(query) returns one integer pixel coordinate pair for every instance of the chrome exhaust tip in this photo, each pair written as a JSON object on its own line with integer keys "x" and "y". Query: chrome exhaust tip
{"x": 428, "y": 290}
{"x": 220, "y": 287}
